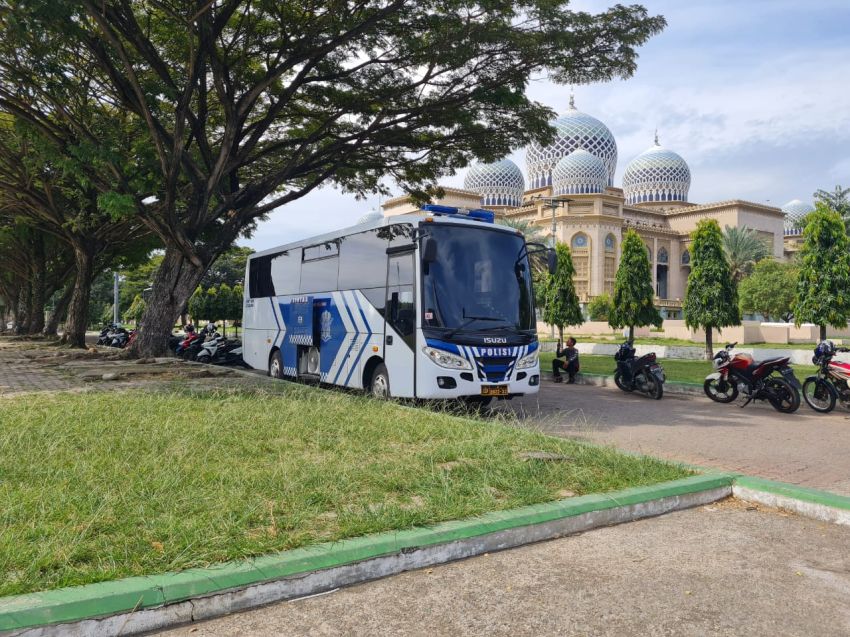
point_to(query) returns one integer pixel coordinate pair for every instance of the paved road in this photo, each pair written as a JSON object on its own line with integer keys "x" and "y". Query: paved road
{"x": 804, "y": 448}
{"x": 716, "y": 570}
{"x": 20, "y": 374}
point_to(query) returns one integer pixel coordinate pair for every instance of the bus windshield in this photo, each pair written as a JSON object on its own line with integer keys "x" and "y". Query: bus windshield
{"x": 480, "y": 281}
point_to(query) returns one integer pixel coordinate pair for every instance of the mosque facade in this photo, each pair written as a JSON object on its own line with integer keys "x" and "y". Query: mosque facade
{"x": 569, "y": 185}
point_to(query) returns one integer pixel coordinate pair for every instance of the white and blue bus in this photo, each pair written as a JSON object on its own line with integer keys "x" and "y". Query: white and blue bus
{"x": 435, "y": 305}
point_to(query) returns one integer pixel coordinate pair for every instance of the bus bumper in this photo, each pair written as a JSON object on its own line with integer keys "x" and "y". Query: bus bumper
{"x": 439, "y": 383}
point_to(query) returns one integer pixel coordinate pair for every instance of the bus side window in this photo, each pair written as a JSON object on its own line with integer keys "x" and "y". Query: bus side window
{"x": 401, "y": 305}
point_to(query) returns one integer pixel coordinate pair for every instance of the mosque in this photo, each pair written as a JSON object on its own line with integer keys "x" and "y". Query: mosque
{"x": 569, "y": 186}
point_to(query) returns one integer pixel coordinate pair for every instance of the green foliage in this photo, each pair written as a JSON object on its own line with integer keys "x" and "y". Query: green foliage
{"x": 769, "y": 290}
{"x": 562, "y": 304}
{"x": 228, "y": 268}
{"x": 711, "y": 298}
{"x": 600, "y": 307}
{"x": 634, "y": 299}
{"x": 823, "y": 284}
{"x": 531, "y": 231}
{"x": 743, "y": 249}
{"x": 136, "y": 310}
{"x": 136, "y": 280}
{"x": 837, "y": 200}
{"x": 197, "y": 304}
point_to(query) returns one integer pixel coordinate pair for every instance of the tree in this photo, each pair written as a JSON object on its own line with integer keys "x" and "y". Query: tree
{"x": 212, "y": 305}
{"x": 562, "y": 306}
{"x": 238, "y": 293}
{"x": 769, "y": 290}
{"x": 634, "y": 299}
{"x": 837, "y": 200}
{"x": 136, "y": 310}
{"x": 743, "y": 249}
{"x": 262, "y": 102}
{"x": 531, "y": 231}
{"x": 229, "y": 268}
{"x": 823, "y": 284}
{"x": 225, "y": 304}
{"x": 600, "y": 307}
{"x": 711, "y": 297}
{"x": 197, "y": 304}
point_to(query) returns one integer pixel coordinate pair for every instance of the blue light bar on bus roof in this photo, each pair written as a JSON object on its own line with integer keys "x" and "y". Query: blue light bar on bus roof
{"x": 478, "y": 214}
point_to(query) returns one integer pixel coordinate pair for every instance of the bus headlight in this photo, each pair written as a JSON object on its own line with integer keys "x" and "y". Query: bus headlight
{"x": 527, "y": 361}
{"x": 446, "y": 359}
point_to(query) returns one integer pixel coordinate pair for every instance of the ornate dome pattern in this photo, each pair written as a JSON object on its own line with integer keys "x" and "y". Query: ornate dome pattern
{"x": 795, "y": 210}
{"x": 574, "y": 130}
{"x": 656, "y": 175}
{"x": 499, "y": 184}
{"x": 579, "y": 173}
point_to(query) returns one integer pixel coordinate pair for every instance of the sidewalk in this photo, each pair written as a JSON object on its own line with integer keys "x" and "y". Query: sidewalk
{"x": 722, "y": 569}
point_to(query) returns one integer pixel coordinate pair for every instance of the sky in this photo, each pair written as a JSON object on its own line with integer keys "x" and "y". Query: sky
{"x": 754, "y": 94}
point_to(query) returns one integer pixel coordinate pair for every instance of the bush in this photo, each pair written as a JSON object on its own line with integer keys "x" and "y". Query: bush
{"x": 599, "y": 308}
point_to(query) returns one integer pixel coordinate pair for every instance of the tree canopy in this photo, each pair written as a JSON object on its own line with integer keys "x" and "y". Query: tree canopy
{"x": 229, "y": 110}
{"x": 743, "y": 249}
{"x": 634, "y": 299}
{"x": 711, "y": 296}
{"x": 823, "y": 284}
{"x": 562, "y": 304}
{"x": 837, "y": 200}
{"x": 769, "y": 290}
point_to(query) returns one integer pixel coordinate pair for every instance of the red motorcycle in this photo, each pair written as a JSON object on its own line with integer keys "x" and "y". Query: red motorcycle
{"x": 772, "y": 380}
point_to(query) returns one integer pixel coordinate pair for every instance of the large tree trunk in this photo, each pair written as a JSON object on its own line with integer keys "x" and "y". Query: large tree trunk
{"x": 78, "y": 310}
{"x": 174, "y": 283}
{"x": 709, "y": 346}
{"x": 823, "y": 332}
{"x": 51, "y": 328}
{"x": 36, "y": 312}
{"x": 24, "y": 302}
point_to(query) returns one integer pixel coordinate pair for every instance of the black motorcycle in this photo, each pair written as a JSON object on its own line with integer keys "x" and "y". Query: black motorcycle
{"x": 643, "y": 374}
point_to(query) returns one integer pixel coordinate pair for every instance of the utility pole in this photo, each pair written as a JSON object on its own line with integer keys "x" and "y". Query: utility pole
{"x": 115, "y": 297}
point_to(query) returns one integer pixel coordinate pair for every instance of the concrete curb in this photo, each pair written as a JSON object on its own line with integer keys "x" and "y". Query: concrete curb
{"x": 810, "y": 503}
{"x": 602, "y": 380}
{"x": 140, "y": 604}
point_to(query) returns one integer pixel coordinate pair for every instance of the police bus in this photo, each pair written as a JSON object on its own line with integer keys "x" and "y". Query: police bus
{"x": 437, "y": 304}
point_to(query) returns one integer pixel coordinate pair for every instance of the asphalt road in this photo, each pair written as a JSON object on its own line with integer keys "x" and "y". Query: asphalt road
{"x": 715, "y": 570}
{"x": 803, "y": 448}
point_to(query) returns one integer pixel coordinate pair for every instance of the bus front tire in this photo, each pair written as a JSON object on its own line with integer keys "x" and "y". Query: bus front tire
{"x": 380, "y": 385}
{"x": 276, "y": 365}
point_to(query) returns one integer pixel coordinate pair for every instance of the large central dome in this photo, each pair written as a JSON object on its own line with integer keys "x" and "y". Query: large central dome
{"x": 575, "y": 130}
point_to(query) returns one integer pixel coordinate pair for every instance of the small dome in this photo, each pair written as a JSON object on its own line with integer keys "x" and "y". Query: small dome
{"x": 795, "y": 211}
{"x": 579, "y": 173}
{"x": 372, "y": 215}
{"x": 574, "y": 130}
{"x": 499, "y": 184}
{"x": 656, "y": 175}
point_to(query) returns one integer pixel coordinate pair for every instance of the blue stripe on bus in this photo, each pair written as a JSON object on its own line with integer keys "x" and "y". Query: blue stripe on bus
{"x": 365, "y": 341}
{"x": 274, "y": 313}
{"x": 351, "y": 344}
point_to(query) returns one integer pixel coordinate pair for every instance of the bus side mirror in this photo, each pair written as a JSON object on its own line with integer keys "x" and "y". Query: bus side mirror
{"x": 552, "y": 261}
{"x": 429, "y": 250}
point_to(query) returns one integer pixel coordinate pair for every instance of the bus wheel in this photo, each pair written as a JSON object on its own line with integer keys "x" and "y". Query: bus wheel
{"x": 276, "y": 365}
{"x": 380, "y": 385}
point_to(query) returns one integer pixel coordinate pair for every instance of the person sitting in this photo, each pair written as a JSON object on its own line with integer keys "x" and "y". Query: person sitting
{"x": 569, "y": 365}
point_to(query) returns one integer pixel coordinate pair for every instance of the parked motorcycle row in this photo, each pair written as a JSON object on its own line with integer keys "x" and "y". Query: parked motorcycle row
{"x": 739, "y": 376}
{"x": 207, "y": 346}
{"x": 113, "y": 335}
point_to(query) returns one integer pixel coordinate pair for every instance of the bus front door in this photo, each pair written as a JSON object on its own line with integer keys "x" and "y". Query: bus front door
{"x": 400, "y": 324}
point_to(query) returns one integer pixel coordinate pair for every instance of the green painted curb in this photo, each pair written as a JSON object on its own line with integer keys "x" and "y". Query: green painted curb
{"x": 134, "y": 593}
{"x": 815, "y": 496}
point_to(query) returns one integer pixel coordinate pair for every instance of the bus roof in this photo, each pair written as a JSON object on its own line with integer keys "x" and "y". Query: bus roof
{"x": 414, "y": 217}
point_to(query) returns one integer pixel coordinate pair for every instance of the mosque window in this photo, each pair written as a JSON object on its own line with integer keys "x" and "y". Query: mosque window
{"x": 663, "y": 257}
{"x": 610, "y": 243}
{"x": 579, "y": 241}
{"x": 686, "y": 258}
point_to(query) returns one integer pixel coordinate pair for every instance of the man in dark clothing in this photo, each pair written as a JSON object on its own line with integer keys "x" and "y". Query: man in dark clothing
{"x": 570, "y": 365}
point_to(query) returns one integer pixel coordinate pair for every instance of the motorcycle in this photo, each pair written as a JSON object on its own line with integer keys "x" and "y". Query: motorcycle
{"x": 643, "y": 374}
{"x": 829, "y": 385}
{"x": 219, "y": 351}
{"x": 756, "y": 380}
{"x": 120, "y": 337}
{"x": 104, "y": 338}
{"x": 189, "y": 340}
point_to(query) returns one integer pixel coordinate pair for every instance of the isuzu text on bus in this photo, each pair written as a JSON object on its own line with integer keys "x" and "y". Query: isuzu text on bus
{"x": 437, "y": 304}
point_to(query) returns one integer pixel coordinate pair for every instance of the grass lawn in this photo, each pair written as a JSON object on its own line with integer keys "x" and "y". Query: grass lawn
{"x": 683, "y": 343}
{"x": 99, "y": 486}
{"x": 676, "y": 370}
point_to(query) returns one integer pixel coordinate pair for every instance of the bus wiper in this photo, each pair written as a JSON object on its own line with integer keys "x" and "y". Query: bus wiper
{"x": 469, "y": 320}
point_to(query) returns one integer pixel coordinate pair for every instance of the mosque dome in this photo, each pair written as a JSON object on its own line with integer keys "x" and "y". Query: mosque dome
{"x": 795, "y": 210}
{"x": 579, "y": 173}
{"x": 372, "y": 215}
{"x": 499, "y": 184}
{"x": 656, "y": 175}
{"x": 574, "y": 130}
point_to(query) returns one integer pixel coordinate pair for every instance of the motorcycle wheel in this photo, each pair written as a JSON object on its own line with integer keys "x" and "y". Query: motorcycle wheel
{"x": 782, "y": 395}
{"x": 819, "y": 394}
{"x": 619, "y": 382}
{"x": 203, "y": 358}
{"x": 719, "y": 390}
{"x": 656, "y": 387}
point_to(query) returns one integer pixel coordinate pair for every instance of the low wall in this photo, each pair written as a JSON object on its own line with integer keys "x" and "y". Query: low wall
{"x": 747, "y": 332}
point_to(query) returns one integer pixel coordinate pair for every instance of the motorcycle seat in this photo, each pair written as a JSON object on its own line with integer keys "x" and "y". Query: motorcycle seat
{"x": 767, "y": 362}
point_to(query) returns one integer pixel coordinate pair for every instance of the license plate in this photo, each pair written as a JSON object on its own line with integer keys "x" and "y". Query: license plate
{"x": 494, "y": 390}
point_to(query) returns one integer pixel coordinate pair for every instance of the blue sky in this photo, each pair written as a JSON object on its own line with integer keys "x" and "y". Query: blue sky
{"x": 754, "y": 94}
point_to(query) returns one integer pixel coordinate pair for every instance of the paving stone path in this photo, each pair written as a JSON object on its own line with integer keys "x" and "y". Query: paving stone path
{"x": 20, "y": 374}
